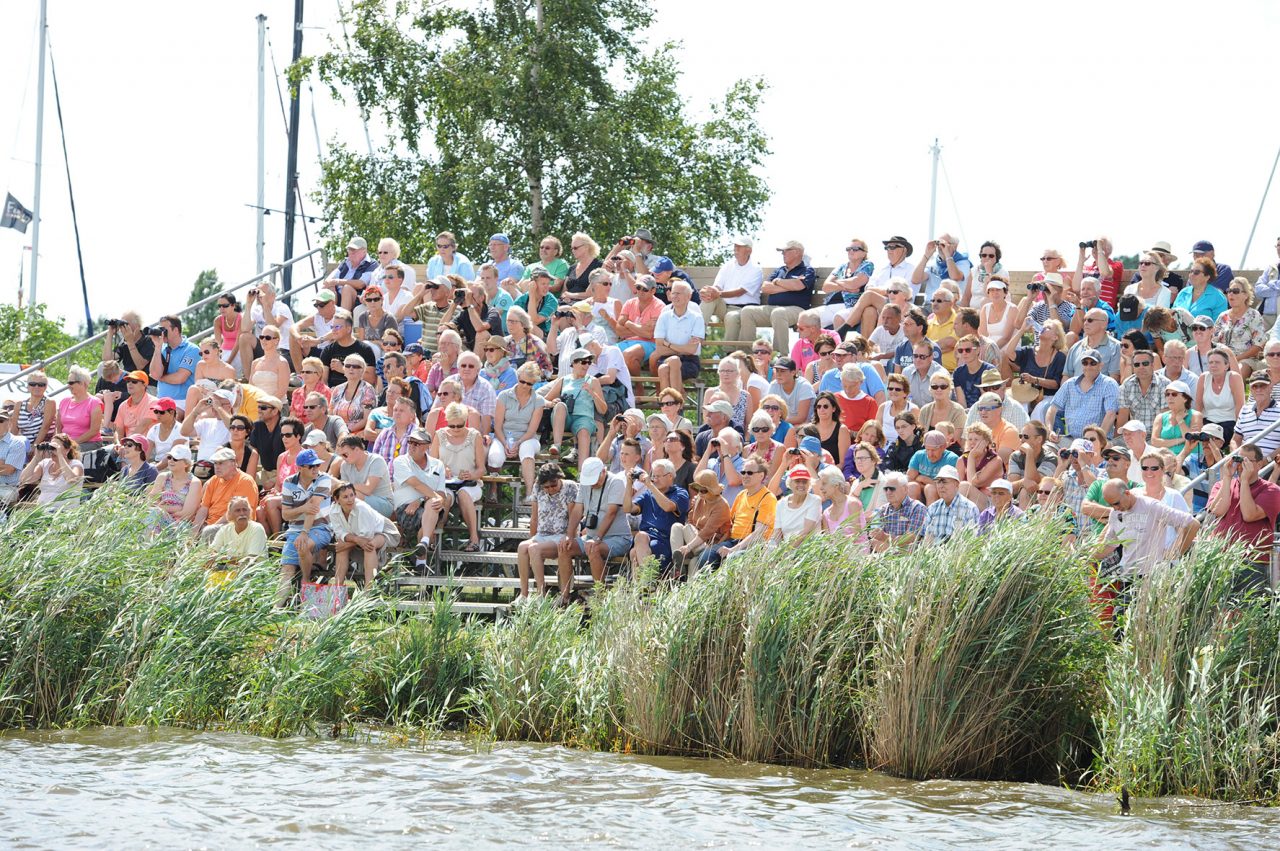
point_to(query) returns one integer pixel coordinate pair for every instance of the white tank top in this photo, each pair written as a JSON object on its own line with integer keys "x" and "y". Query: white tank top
{"x": 995, "y": 330}
{"x": 1218, "y": 407}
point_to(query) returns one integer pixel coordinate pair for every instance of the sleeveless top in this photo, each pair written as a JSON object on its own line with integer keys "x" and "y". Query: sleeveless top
{"x": 1219, "y": 407}
{"x": 832, "y": 443}
{"x": 995, "y": 330}
{"x": 170, "y": 499}
{"x": 231, "y": 336}
{"x": 575, "y": 395}
{"x": 458, "y": 458}
{"x": 886, "y": 422}
{"x": 267, "y": 381}
{"x": 1169, "y": 431}
{"x": 29, "y": 425}
{"x": 838, "y": 524}
{"x": 739, "y": 418}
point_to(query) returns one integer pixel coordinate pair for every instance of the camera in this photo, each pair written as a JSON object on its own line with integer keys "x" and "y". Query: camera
{"x": 627, "y": 241}
{"x": 636, "y": 474}
{"x": 715, "y": 441}
{"x": 593, "y": 520}
{"x": 431, "y": 286}
{"x": 459, "y": 296}
{"x": 564, "y": 314}
{"x": 619, "y": 420}
{"x": 1093, "y": 243}
{"x": 1036, "y": 287}
{"x": 46, "y": 446}
{"x": 153, "y": 331}
{"x": 793, "y": 451}
{"x": 1193, "y": 437}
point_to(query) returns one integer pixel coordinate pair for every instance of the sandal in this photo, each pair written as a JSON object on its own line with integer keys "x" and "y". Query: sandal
{"x": 473, "y": 547}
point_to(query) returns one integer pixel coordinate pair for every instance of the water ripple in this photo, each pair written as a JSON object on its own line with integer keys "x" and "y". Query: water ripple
{"x": 134, "y": 788}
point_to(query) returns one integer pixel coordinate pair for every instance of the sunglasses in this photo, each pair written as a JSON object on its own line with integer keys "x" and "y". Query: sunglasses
{"x": 267, "y": 337}
{"x": 890, "y": 488}
{"x": 237, "y": 427}
{"x": 288, "y": 434}
{"x": 890, "y": 246}
{"x": 37, "y": 384}
{"x": 987, "y": 256}
{"x": 761, "y": 351}
{"x": 765, "y": 430}
{"x": 989, "y": 408}
{"x": 939, "y": 387}
{"x": 771, "y": 407}
{"x": 1044, "y": 493}
{"x": 752, "y": 472}
{"x": 1046, "y": 258}
{"x": 1235, "y": 291}
{"x": 133, "y": 381}
{"x": 372, "y": 299}
{"x": 1140, "y": 364}
{"x": 526, "y": 383}
{"x": 965, "y": 350}
{"x": 386, "y": 344}
{"x": 921, "y": 357}
{"x": 670, "y": 403}
{"x": 360, "y": 366}
{"x": 310, "y": 407}
{"x": 455, "y": 427}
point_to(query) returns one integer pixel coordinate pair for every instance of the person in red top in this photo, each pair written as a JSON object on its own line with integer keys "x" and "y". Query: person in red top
{"x": 635, "y": 325}
{"x": 1110, "y": 273}
{"x": 1246, "y": 510}
{"x": 856, "y": 407}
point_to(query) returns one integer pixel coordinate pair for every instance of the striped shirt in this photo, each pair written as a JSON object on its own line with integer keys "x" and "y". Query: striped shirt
{"x": 294, "y": 494}
{"x": 1251, "y": 423}
{"x": 907, "y": 520}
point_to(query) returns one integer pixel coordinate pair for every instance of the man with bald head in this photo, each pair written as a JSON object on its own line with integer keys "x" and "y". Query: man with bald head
{"x": 1137, "y": 523}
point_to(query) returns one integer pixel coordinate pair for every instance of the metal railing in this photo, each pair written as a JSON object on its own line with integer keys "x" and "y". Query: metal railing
{"x": 44, "y": 363}
{"x": 1226, "y": 456}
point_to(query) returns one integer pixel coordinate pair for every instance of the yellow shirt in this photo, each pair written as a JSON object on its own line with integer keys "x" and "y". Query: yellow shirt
{"x": 250, "y": 396}
{"x": 749, "y": 510}
{"x": 941, "y": 331}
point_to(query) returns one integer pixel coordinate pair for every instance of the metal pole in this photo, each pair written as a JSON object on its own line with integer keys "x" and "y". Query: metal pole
{"x": 291, "y": 168}
{"x": 262, "y": 140}
{"x": 1261, "y": 204}
{"x": 35, "y": 207}
{"x": 933, "y": 188}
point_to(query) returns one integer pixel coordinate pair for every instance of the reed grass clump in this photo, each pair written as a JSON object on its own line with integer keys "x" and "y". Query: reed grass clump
{"x": 988, "y": 658}
{"x": 1193, "y": 690}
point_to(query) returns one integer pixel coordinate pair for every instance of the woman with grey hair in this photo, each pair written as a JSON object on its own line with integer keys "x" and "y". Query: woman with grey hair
{"x": 80, "y": 414}
{"x": 523, "y": 346}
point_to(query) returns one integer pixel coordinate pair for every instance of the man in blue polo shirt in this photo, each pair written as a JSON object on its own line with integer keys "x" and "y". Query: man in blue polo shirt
{"x": 949, "y": 264}
{"x": 790, "y": 290}
{"x": 678, "y": 340}
{"x": 173, "y": 364}
{"x": 509, "y": 268}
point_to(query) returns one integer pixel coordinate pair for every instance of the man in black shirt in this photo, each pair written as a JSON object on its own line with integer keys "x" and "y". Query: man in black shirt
{"x": 265, "y": 435}
{"x": 125, "y": 343}
{"x": 344, "y": 343}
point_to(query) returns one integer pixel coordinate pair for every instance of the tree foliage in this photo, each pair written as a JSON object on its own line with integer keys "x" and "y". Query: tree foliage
{"x": 535, "y": 117}
{"x": 27, "y": 336}
{"x": 206, "y": 284}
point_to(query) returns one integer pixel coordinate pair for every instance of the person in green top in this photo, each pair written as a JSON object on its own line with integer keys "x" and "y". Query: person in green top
{"x": 549, "y": 251}
{"x": 538, "y": 300}
{"x": 1094, "y": 506}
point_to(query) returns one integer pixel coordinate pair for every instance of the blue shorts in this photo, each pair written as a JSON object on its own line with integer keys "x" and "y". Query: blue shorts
{"x": 618, "y": 544}
{"x": 647, "y": 348}
{"x": 321, "y": 537}
{"x": 577, "y": 423}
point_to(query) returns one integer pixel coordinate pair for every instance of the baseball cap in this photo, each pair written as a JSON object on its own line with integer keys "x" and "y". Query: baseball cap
{"x": 164, "y": 405}
{"x": 646, "y": 282}
{"x": 537, "y": 270}
{"x": 948, "y": 472}
{"x": 1090, "y": 354}
{"x": 315, "y": 437}
{"x": 1131, "y": 306}
{"x": 1134, "y": 425}
{"x": 323, "y": 297}
{"x": 142, "y": 443}
{"x": 1002, "y": 485}
{"x": 228, "y": 396}
{"x": 720, "y": 406}
{"x": 660, "y": 265}
{"x": 1081, "y": 445}
{"x": 582, "y": 306}
{"x": 1213, "y": 430}
{"x": 138, "y": 375}
{"x": 799, "y": 471}
{"x": 1259, "y": 377}
{"x": 1052, "y": 278}
{"x": 785, "y": 363}
{"x": 744, "y": 241}
{"x": 308, "y": 458}
{"x": 988, "y": 399}
{"x": 935, "y": 438}
{"x": 419, "y": 435}
{"x": 270, "y": 402}
{"x": 500, "y": 237}
{"x": 1201, "y": 246}
{"x": 1117, "y": 450}
{"x": 811, "y": 444}
{"x": 1179, "y": 387}
{"x": 357, "y": 243}
{"x": 415, "y": 349}
{"x": 792, "y": 243}
{"x": 579, "y": 354}
{"x": 589, "y": 474}
{"x": 223, "y": 454}
{"x": 180, "y": 452}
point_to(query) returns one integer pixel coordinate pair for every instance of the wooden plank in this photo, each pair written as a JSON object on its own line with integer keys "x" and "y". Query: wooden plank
{"x": 581, "y": 580}
{"x": 498, "y": 610}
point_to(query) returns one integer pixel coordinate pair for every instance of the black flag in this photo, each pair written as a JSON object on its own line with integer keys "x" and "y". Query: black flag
{"x": 15, "y": 215}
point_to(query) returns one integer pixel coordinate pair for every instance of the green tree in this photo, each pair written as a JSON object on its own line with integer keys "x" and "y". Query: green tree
{"x": 206, "y": 284}
{"x": 27, "y": 336}
{"x": 535, "y": 117}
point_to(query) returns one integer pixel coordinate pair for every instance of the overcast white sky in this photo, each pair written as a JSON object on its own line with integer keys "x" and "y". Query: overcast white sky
{"x": 1144, "y": 121}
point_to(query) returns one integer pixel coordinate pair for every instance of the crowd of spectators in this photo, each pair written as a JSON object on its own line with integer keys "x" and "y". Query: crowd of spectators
{"x": 894, "y": 402}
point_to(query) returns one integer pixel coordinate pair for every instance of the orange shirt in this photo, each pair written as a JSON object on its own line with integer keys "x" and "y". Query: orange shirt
{"x": 1006, "y": 436}
{"x": 134, "y": 419}
{"x": 218, "y": 493}
{"x": 749, "y": 510}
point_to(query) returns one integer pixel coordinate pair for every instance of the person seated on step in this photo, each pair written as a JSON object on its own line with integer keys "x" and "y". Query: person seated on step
{"x": 462, "y": 451}
{"x": 241, "y": 539}
{"x": 627, "y": 426}
{"x": 548, "y": 525}
{"x": 420, "y": 496}
{"x": 517, "y": 416}
{"x": 307, "y": 496}
{"x": 357, "y": 527}
{"x": 660, "y": 503}
{"x": 582, "y": 403}
{"x": 598, "y": 526}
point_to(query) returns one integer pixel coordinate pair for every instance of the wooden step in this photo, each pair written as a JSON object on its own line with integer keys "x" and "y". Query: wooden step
{"x": 488, "y": 609}
{"x": 579, "y": 581}
{"x": 478, "y": 558}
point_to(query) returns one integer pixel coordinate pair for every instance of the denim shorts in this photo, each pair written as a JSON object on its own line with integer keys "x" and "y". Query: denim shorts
{"x": 321, "y": 537}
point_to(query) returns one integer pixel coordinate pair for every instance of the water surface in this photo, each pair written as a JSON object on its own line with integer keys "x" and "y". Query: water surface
{"x": 130, "y": 788}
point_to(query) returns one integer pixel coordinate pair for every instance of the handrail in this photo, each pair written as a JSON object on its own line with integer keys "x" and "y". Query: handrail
{"x": 1226, "y": 456}
{"x": 43, "y": 363}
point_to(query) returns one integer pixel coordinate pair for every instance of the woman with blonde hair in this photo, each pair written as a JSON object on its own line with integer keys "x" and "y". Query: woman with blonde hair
{"x": 1240, "y": 328}
{"x": 80, "y": 414}
{"x": 35, "y": 415}
{"x": 312, "y": 371}
{"x": 523, "y": 345}
{"x": 895, "y": 405}
{"x": 1041, "y": 366}
{"x": 270, "y": 373}
{"x": 1150, "y": 283}
{"x": 516, "y": 417}
{"x": 212, "y": 367}
{"x": 776, "y": 408}
{"x": 58, "y": 472}
{"x": 979, "y": 466}
{"x": 943, "y": 409}
{"x": 176, "y": 491}
{"x": 586, "y": 255}
{"x": 461, "y": 449}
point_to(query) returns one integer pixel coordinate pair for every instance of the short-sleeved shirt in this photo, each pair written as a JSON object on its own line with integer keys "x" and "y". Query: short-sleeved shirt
{"x": 942, "y": 520}
{"x": 801, "y": 298}
{"x": 1109, "y": 350}
{"x": 403, "y": 470}
{"x": 801, "y": 392}
{"x": 921, "y": 464}
{"x": 232, "y": 544}
{"x": 1143, "y": 407}
{"x": 553, "y": 509}
{"x": 597, "y": 501}
{"x": 633, "y": 313}
{"x": 146, "y": 348}
{"x": 790, "y": 521}
{"x": 1251, "y": 422}
{"x": 905, "y": 520}
{"x": 185, "y": 355}
{"x": 749, "y": 509}
{"x": 940, "y": 330}
{"x": 217, "y": 494}
{"x": 460, "y": 266}
{"x": 657, "y": 522}
{"x": 546, "y": 310}
{"x": 1211, "y": 302}
{"x": 733, "y": 276}
{"x": 1257, "y": 534}
{"x": 967, "y": 381}
{"x": 375, "y": 466}
{"x": 1083, "y": 408}
{"x": 1135, "y": 529}
{"x": 679, "y": 330}
{"x": 294, "y": 494}
{"x": 334, "y": 350}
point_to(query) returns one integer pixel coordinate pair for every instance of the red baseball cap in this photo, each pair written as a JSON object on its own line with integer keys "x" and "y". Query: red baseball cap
{"x": 164, "y": 405}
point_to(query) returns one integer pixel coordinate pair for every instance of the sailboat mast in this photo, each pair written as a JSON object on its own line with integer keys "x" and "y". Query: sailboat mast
{"x": 35, "y": 207}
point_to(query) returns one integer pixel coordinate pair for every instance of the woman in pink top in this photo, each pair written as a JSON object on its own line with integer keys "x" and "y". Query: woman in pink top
{"x": 844, "y": 516}
{"x": 80, "y": 415}
{"x": 226, "y": 326}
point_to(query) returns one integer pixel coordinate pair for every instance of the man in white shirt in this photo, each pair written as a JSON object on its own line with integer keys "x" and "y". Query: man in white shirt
{"x": 420, "y": 497}
{"x": 874, "y": 297}
{"x": 737, "y": 283}
{"x": 357, "y": 527}
{"x": 678, "y": 339}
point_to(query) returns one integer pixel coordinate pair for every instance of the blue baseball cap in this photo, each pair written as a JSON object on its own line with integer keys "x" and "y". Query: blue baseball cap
{"x": 415, "y": 349}
{"x": 811, "y": 444}
{"x": 500, "y": 237}
{"x": 1202, "y": 246}
{"x": 660, "y": 265}
{"x": 308, "y": 458}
